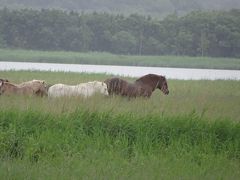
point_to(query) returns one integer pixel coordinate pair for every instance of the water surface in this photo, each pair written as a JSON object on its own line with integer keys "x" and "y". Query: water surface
{"x": 132, "y": 71}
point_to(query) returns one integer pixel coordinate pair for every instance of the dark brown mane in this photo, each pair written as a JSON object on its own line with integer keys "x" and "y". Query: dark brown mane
{"x": 10, "y": 84}
{"x": 152, "y": 80}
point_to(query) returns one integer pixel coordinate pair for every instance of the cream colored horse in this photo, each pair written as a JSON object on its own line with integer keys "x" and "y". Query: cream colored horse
{"x": 84, "y": 89}
{"x": 34, "y": 87}
{"x": 39, "y": 86}
{"x": 7, "y": 88}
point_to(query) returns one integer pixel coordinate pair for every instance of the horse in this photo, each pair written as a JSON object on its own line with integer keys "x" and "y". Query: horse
{"x": 7, "y": 88}
{"x": 84, "y": 89}
{"x": 144, "y": 86}
{"x": 39, "y": 87}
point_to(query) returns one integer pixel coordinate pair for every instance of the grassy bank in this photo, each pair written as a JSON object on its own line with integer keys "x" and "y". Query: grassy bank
{"x": 111, "y": 59}
{"x": 193, "y": 133}
{"x": 104, "y": 145}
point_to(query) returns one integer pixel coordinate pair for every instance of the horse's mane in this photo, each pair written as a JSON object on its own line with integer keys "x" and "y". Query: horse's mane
{"x": 10, "y": 84}
{"x": 93, "y": 83}
{"x": 151, "y": 80}
{"x": 32, "y": 83}
{"x": 149, "y": 77}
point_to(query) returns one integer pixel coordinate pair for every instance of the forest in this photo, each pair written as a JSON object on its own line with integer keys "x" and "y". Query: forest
{"x": 198, "y": 33}
{"x": 157, "y": 8}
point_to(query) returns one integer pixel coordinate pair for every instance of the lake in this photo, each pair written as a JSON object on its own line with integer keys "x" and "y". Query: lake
{"x": 132, "y": 71}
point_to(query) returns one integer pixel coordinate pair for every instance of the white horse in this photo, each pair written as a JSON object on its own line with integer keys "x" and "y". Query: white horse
{"x": 84, "y": 89}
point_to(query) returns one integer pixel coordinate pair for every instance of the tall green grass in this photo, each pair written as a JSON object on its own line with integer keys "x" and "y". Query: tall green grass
{"x": 194, "y": 133}
{"x": 109, "y": 144}
{"x": 102, "y": 58}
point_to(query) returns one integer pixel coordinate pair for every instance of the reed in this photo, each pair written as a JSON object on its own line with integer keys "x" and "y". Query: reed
{"x": 103, "y": 142}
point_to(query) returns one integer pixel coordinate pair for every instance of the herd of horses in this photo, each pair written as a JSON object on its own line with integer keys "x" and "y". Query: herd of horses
{"x": 142, "y": 87}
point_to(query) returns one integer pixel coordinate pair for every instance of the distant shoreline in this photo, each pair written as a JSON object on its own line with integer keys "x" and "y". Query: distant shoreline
{"x": 103, "y": 58}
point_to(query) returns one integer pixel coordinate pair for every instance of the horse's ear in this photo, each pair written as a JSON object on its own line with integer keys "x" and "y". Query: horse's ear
{"x": 1, "y": 83}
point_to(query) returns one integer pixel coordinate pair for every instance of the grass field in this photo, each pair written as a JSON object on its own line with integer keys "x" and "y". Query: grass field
{"x": 193, "y": 133}
{"x": 111, "y": 59}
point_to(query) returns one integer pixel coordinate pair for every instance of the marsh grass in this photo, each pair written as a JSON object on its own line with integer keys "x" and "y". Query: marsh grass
{"x": 194, "y": 133}
{"x": 110, "y": 145}
{"x": 213, "y": 99}
{"x": 103, "y": 58}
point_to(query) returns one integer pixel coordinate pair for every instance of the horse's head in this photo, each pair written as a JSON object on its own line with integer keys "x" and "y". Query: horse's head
{"x": 162, "y": 85}
{"x": 101, "y": 86}
{"x": 104, "y": 89}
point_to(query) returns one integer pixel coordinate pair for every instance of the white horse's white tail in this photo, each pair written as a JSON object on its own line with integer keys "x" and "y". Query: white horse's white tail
{"x": 84, "y": 89}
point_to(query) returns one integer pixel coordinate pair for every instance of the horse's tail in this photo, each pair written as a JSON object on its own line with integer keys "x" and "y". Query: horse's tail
{"x": 107, "y": 81}
{"x": 109, "y": 86}
{"x": 114, "y": 85}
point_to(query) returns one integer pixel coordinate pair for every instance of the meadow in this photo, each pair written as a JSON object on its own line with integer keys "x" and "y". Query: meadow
{"x": 103, "y": 58}
{"x": 193, "y": 133}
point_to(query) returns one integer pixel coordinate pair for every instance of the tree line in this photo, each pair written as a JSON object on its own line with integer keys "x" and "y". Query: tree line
{"x": 199, "y": 33}
{"x": 157, "y": 8}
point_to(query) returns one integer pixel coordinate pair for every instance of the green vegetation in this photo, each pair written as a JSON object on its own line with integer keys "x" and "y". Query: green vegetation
{"x": 111, "y": 59}
{"x": 104, "y": 145}
{"x": 194, "y": 133}
{"x": 214, "y": 34}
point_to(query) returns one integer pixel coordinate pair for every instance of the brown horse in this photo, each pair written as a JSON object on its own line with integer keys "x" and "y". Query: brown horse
{"x": 143, "y": 86}
{"x": 7, "y": 88}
